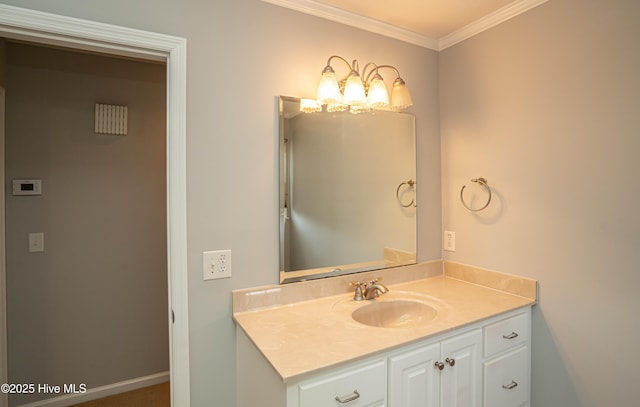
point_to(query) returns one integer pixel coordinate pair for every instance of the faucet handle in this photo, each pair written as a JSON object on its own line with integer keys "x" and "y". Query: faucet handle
{"x": 376, "y": 280}
{"x": 357, "y": 296}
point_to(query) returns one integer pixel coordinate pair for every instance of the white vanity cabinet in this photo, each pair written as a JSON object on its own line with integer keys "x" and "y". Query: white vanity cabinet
{"x": 483, "y": 364}
{"x": 488, "y": 366}
{"x": 446, "y": 373}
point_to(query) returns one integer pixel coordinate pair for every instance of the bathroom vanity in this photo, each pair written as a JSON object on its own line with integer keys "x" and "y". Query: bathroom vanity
{"x": 473, "y": 348}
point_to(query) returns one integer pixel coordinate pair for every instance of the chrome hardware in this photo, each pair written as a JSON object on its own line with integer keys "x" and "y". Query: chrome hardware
{"x": 411, "y": 186}
{"x": 450, "y": 362}
{"x": 438, "y": 365}
{"x": 357, "y": 296}
{"x": 374, "y": 289}
{"x": 512, "y": 335}
{"x": 510, "y": 386}
{"x": 483, "y": 183}
{"x": 346, "y": 399}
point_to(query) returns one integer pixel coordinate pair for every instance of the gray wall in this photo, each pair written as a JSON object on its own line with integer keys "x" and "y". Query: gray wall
{"x": 241, "y": 55}
{"x": 547, "y": 107}
{"x": 93, "y": 307}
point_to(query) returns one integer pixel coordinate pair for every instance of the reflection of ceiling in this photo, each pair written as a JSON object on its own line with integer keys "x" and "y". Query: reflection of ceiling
{"x": 434, "y": 24}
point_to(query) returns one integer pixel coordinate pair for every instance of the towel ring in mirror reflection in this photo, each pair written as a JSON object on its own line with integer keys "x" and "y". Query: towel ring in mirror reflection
{"x": 483, "y": 183}
{"x": 411, "y": 184}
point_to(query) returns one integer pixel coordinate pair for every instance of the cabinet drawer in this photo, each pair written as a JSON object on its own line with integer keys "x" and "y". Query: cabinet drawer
{"x": 363, "y": 386}
{"x": 506, "y": 379}
{"x": 506, "y": 334}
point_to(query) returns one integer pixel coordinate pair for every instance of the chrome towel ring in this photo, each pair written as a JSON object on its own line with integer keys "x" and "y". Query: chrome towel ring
{"x": 411, "y": 183}
{"x": 485, "y": 185}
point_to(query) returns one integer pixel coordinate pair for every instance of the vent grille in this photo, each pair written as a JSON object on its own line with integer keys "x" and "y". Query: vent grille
{"x": 111, "y": 119}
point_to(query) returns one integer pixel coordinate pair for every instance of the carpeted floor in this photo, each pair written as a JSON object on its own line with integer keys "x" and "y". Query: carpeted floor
{"x": 154, "y": 396}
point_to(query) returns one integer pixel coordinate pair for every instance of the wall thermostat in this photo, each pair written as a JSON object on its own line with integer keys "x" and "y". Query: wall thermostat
{"x": 27, "y": 187}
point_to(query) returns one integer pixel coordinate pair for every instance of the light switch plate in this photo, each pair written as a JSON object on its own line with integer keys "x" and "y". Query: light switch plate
{"x": 36, "y": 242}
{"x": 216, "y": 264}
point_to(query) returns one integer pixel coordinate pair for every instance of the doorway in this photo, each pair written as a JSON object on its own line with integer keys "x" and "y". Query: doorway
{"x": 89, "y": 305}
{"x": 44, "y": 28}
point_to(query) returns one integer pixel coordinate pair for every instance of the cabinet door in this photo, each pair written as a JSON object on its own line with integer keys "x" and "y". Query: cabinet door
{"x": 413, "y": 379}
{"x": 462, "y": 374}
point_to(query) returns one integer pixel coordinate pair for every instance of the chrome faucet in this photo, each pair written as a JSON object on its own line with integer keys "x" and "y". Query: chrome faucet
{"x": 374, "y": 289}
{"x": 368, "y": 291}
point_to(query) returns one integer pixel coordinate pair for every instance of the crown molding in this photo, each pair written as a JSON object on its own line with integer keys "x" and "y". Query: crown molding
{"x": 355, "y": 20}
{"x": 328, "y": 12}
{"x": 490, "y": 20}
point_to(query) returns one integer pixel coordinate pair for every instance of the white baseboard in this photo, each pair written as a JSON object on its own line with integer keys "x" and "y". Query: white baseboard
{"x": 102, "y": 391}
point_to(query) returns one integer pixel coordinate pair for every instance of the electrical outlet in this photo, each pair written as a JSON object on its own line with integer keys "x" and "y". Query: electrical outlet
{"x": 216, "y": 264}
{"x": 449, "y": 241}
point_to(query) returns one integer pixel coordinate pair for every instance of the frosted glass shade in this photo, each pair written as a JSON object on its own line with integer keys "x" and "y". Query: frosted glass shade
{"x": 328, "y": 89}
{"x": 354, "y": 91}
{"x": 310, "y": 106}
{"x": 336, "y": 107}
{"x": 359, "y": 109}
{"x": 378, "y": 97}
{"x": 400, "y": 96}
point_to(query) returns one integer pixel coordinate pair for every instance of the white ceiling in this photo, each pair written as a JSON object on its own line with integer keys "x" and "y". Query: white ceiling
{"x": 434, "y": 24}
{"x": 433, "y": 18}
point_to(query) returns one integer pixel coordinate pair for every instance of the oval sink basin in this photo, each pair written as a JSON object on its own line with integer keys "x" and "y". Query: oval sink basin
{"x": 394, "y": 314}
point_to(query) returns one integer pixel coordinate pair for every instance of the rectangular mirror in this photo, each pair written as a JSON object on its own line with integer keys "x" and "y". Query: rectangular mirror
{"x": 347, "y": 191}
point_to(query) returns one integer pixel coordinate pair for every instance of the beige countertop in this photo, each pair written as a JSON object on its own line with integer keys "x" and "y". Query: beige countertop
{"x": 306, "y": 336}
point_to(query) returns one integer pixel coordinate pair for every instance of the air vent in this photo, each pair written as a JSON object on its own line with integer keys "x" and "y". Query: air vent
{"x": 111, "y": 119}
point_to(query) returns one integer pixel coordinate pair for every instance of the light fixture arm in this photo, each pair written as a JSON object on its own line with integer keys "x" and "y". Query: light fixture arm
{"x": 366, "y": 77}
{"x": 389, "y": 67}
{"x": 353, "y": 67}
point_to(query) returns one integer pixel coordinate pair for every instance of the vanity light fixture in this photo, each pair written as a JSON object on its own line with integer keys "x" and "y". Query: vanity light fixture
{"x": 361, "y": 95}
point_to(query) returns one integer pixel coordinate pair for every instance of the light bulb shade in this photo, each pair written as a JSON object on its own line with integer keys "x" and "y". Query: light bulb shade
{"x": 400, "y": 96}
{"x": 310, "y": 106}
{"x": 336, "y": 107}
{"x": 354, "y": 91}
{"x": 328, "y": 89}
{"x": 359, "y": 109}
{"x": 377, "y": 97}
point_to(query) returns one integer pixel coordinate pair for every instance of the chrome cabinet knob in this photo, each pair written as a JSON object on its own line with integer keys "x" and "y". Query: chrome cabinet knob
{"x": 438, "y": 365}
{"x": 450, "y": 362}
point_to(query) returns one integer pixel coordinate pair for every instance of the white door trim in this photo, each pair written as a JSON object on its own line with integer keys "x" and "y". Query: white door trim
{"x": 3, "y": 280}
{"x": 45, "y": 28}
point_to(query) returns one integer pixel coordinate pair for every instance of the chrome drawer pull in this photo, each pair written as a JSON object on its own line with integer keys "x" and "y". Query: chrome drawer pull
{"x": 349, "y": 398}
{"x": 510, "y": 386}
{"x": 512, "y": 335}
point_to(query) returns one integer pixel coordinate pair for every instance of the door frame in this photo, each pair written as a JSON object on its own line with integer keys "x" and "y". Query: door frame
{"x": 3, "y": 279}
{"x": 51, "y": 29}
